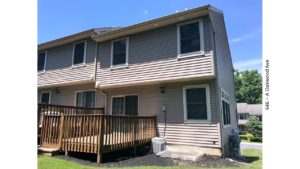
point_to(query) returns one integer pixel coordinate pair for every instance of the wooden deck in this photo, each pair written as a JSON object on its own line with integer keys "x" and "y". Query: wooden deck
{"x": 95, "y": 133}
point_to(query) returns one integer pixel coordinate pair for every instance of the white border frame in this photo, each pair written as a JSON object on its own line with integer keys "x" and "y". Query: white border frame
{"x": 111, "y": 53}
{"x": 50, "y": 95}
{"x": 206, "y": 86}
{"x": 191, "y": 54}
{"x": 84, "y": 55}
{"x": 113, "y": 96}
{"x": 221, "y": 105}
{"x": 46, "y": 53}
{"x": 79, "y": 91}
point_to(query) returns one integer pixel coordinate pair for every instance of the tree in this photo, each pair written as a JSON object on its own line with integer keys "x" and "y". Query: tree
{"x": 254, "y": 126}
{"x": 248, "y": 86}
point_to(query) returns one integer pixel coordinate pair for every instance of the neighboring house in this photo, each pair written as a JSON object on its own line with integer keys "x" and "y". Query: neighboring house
{"x": 179, "y": 64}
{"x": 245, "y": 111}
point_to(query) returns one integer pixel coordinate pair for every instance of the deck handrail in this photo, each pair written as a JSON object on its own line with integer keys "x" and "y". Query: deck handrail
{"x": 97, "y": 133}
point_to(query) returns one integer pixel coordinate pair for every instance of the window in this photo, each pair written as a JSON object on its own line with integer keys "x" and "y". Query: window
{"x": 196, "y": 103}
{"x": 125, "y": 105}
{"x": 79, "y": 53}
{"x": 225, "y": 108}
{"x": 85, "y": 99}
{"x": 41, "y": 61}
{"x": 243, "y": 116}
{"x": 119, "y": 52}
{"x": 45, "y": 97}
{"x": 190, "y": 38}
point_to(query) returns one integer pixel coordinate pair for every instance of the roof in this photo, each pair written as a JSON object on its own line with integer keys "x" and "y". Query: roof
{"x": 108, "y": 33}
{"x": 155, "y": 23}
{"x": 252, "y": 109}
{"x": 75, "y": 37}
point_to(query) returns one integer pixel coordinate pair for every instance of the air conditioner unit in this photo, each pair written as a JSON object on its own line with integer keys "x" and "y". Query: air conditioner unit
{"x": 158, "y": 144}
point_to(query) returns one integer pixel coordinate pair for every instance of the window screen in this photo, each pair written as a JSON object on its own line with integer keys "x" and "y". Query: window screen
{"x": 119, "y": 52}
{"x": 41, "y": 61}
{"x": 226, "y": 112}
{"x": 125, "y": 105}
{"x": 189, "y": 38}
{"x": 85, "y": 99}
{"x": 45, "y": 98}
{"x": 78, "y": 57}
{"x": 196, "y": 104}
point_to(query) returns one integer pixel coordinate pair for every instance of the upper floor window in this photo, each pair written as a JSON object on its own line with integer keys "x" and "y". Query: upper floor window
{"x": 79, "y": 50}
{"x": 196, "y": 103}
{"x": 42, "y": 61}
{"x": 120, "y": 52}
{"x": 85, "y": 99}
{"x": 190, "y": 38}
{"x": 225, "y": 108}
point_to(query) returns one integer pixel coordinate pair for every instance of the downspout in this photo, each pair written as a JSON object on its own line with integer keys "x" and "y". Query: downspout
{"x": 95, "y": 68}
{"x": 105, "y": 101}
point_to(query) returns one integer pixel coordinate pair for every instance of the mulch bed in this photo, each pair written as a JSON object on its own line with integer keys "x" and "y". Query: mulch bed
{"x": 143, "y": 158}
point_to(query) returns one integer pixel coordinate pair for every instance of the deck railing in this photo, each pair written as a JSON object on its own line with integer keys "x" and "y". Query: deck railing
{"x": 96, "y": 133}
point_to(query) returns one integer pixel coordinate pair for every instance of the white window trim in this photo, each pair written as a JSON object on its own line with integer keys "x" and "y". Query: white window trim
{"x": 125, "y": 65}
{"x": 79, "y": 91}
{"x": 191, "y": 54}
{"x": 206, "y": 86}
{"x": 44, "y": 70}
{"x": 227, "y": 101}
{"x": 50, "y": 95}
{"x": 84, "y": 55}
{"x": 114, "y": 96}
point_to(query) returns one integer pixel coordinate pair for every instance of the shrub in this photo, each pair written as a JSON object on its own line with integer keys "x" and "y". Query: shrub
{"x": 254, "y": 126}
{"x": 243, "y": 137}
{"x": 249, "y": 136}
{"x": 256, "y": 139}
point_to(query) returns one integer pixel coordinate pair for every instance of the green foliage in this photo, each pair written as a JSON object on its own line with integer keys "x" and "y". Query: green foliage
{"x": 248, "y": 86}
{"x": 254, "y": 126}
{"x": 247, "y": 137}
{"x": 256, "y": 139}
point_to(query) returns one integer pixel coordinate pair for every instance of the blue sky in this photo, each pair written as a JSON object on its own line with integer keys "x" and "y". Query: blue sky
{"x": 243, "y": 18}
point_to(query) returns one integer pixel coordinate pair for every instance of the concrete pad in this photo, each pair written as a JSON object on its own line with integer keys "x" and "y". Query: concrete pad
{"x": 182, "y": 152}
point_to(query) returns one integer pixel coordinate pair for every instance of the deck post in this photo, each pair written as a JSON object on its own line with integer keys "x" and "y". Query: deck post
{"x": 61, "y": 129}
{"x": 101, "y": 136}
{"x": 155, "y": 126}
{"x": 66, "y": 153}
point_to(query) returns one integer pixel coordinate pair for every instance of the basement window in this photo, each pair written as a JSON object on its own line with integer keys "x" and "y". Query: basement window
{"x": 125, "y": 105}
{"x": 196, "y": 100}
{"x": 85, "y": 99}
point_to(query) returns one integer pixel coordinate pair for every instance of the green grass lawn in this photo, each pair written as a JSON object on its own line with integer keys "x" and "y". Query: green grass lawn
{"x": 45, "y": 162}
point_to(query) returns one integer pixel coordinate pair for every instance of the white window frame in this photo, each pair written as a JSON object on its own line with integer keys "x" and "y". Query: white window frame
{"x": 191, "y": 54}
{"x": 112, "y": 55}
{"x": 80, "y": 91}
{"x": 44, "y": 70}
{"x": 114, "y": 96}
{"x": 206, "y": 86}
{"x": 225, "y": 96}
{"x": 50, "y": 95}
{"x": 84, "y": 55}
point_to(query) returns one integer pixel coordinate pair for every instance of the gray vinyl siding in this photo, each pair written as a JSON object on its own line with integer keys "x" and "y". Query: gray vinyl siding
{"x": 67, "y": 94}
{"x": 59, "y": 65}
{"x": 151, "y": 100}
{"x": 153, "y": 56}
{"x": 224, "y": 75}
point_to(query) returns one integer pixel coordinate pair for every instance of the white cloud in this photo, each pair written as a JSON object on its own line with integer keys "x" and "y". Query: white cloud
{"x": 249, "y": 64}
{"x": 146, "y": 12}
{"x": 246, "y": 36}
